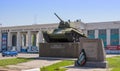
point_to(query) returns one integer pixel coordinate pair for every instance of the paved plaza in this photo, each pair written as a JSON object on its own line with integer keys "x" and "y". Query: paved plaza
{"x": 45, "y": 61}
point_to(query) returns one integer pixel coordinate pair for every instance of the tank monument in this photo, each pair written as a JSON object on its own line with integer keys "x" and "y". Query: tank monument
{"x": 62, "y": 41}
{"x": 66, "y": 41}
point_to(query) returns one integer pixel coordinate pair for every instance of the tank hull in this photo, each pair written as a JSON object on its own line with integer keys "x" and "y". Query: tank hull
{"x": 64, "y": 35}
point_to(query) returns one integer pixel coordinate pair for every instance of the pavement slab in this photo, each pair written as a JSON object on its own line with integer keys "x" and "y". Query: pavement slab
{"x": 73, "y": 68}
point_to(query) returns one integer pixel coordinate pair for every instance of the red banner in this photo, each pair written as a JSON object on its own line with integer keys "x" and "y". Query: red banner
{"x": 118, "y": 47}
{"x": 112, "y": 47}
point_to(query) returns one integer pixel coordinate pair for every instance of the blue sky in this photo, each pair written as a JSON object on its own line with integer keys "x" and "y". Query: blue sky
{"x": 28, "y": 12}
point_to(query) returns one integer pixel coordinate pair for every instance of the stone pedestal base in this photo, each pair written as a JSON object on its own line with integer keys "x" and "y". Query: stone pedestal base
{"x": 94, "y": 64}
{"x": 67, "y": 50}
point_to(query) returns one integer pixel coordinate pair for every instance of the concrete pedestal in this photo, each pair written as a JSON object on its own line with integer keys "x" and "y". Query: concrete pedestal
{"x": 67, "y": 50}
{"x": 95, "y": 53}
{"x": 103, "y": 64}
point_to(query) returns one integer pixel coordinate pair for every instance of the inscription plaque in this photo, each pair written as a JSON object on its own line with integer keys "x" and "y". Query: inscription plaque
{"x": 90, "y": 49}
{"x": 57, "y": 46}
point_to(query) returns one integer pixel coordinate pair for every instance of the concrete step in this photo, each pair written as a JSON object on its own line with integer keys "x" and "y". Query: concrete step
{"x": 35, "y": 69}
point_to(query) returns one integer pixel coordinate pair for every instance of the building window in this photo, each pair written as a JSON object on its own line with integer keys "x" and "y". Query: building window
{"x": 102, "y": 35}
{"x": 4, "y": 41}
{"x": 114, "y": 37}
{"x": 91, "y": 34}
{"x": 14, "y": 40}
{"x": 34, "y": 40}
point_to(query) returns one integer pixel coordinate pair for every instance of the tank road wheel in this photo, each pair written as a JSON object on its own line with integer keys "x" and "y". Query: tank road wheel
{"x": 76, "y": 37}
{"x": 79, "y": 38}
{"x": 73, "y": 37}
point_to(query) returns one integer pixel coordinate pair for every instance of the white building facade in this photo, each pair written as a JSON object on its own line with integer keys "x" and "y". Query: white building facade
{"x": 108, "y": 31}
{"x": 27, "y": 38}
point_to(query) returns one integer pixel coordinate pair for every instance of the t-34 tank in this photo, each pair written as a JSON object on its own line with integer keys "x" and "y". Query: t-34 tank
{"x": 64, "y": 33}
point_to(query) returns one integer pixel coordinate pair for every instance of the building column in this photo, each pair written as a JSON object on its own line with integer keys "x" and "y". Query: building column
{"x": 96, "y": 33}
{"x": 29, "y": 39}
{"x": 108, "y": 36}
{"x": 18, "y": 41}
{"x": 23, "y": 38}
{"x": 9, "y": 41}
{"x": 39, "y": 38}
{"x": 0, "y": 41}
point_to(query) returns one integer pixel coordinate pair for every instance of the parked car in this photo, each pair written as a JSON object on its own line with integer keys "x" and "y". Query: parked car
{"x": 9, "y": 53}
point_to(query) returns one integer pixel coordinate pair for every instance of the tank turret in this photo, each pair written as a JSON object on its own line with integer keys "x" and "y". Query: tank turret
{"x": 62, "y": 24}
{"x": 64, "y": 33}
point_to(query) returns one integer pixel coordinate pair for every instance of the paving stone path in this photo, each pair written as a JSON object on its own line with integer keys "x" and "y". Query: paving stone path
{"x": 32, "y": 64}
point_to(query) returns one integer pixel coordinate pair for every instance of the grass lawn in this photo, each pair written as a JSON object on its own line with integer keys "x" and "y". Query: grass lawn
{"x": 58, "y": 66}
{"x": 114, "y": 63}
{"x": 13, "y": 61}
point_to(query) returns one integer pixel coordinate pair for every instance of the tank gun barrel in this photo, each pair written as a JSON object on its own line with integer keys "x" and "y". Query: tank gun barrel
{"x": 58, "y": 17}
